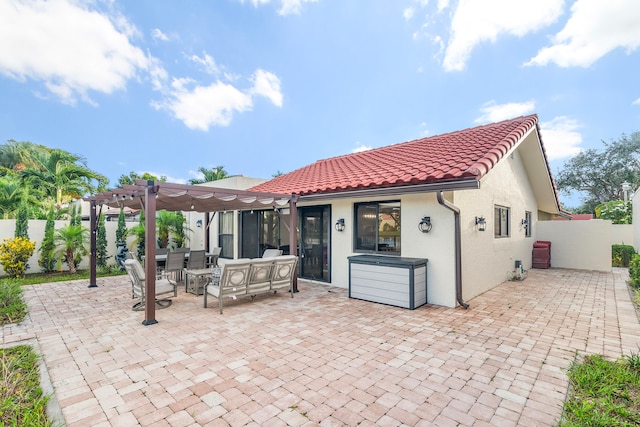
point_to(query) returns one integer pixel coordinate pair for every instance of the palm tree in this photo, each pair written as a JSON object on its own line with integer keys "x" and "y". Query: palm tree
{"x": 16, "y": 156}
{"x": 11, "y": 192}
{"x": 168, "y": 225}
{"x": 71, "y": 240}
{"x": 209, "y": 175}
{"x": 64, "y": 176}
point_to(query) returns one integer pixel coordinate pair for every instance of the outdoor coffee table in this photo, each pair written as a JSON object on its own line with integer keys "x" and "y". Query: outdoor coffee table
{"x": 195, "y": 280}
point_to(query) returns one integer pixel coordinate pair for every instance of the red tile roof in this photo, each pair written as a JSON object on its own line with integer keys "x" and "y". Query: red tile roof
{"x": 461, "y": 155}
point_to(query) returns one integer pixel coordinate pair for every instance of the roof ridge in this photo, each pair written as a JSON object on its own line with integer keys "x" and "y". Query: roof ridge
{"x": 441, "y": 135}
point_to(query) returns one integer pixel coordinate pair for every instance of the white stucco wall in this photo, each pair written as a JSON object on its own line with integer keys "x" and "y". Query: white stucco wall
{"x": 36, "y": 234}
{"x": 584, "y": 245}
{"x": 437, "y": 246}
{"x": 622, "y": 234}
{"x": 487, "y": 260}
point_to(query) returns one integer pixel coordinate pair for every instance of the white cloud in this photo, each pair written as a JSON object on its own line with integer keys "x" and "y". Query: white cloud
{"x": 360, "y": 147}
{"x": 492, "y": 112}
{"x": 408, "y": 13}
{"x": 561, "y": 137}
{"x": 268, "y": 85}
{"x": 475, "y": 22}
{"x": 71, "y": 49}
{"x": 292, "y": 7}
{"x": 207, "y": 62}
{"x": 287, "y": 7}
{"x": 200, "y": 107}
{"x": 159, "y": 35}
{"x": 595, "y": 28}
{"x": 636, "y": 102}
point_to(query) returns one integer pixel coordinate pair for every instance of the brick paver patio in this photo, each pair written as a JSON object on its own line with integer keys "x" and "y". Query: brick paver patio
{"x": 322, "y": 358}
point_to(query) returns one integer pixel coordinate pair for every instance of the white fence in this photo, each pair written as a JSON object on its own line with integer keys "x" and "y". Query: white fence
{"x": 36, "y": 233}
{"x": 583, "y": 245}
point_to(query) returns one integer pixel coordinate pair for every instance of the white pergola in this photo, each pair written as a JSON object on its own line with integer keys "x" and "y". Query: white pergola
{"x": 151, "y": 196}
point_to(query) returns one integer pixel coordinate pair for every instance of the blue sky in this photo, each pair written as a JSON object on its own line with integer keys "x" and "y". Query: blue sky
{"x": 261, "y": 86}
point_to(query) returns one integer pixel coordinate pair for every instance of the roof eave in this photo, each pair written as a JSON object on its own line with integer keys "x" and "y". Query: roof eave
{"x": 465, "y": 184}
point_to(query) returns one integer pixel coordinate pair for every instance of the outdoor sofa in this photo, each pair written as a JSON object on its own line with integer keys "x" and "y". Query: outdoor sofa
{"x": 250, "y": 277}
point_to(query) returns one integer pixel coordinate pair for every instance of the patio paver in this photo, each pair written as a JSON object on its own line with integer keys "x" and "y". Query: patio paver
{"x": 322, "y": 358}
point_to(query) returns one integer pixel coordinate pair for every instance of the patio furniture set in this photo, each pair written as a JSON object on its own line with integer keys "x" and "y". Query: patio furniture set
{"x": 232, "y": 279}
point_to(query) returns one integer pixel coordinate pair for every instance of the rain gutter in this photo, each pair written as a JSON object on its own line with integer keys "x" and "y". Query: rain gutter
{"x": 458, "y": 243}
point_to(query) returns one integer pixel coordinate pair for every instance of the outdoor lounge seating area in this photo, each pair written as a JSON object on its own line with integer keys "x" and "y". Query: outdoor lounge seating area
{"x": 250, "y": 277}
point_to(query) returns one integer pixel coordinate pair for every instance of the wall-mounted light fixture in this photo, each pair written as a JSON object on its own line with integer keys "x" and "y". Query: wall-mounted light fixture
{"x": 524, "y": 223}
{"x": 199, "y": 223}
{"x": 425, "y": 224}
{"x": 481, "y": 223}
{"x": 339, "y": 225}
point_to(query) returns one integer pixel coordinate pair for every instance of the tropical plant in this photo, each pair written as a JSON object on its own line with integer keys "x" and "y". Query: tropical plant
{"x": 617, "y": 211}
{"x": 10, "y": 195}
{"x": 14, "y": 254}
{"x": 47, "y": 259}
{"x": 71, "y": 240}
{"x": 139, "y": 232}
{"x": 169, "y": 225}
{"x": 209, "y": 175}
{"x": 63, "y": 176}
{"x": 180, "y": 229}
{"x": 634, "y": 271}
{"x": 101, "y": 243}
{"x": 22, "y": 222}
{"x": 121, "y": 230}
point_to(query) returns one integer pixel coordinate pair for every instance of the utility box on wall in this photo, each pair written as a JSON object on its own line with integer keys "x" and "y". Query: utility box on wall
{"x": 397, "y": 281}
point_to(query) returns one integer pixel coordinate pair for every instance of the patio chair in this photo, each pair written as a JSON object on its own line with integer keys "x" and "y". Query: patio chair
{"x": 268, "y": 253}
{"x": 213, "y": 257}
{"x": 174, "y": 265}
{"x": 138, "y": 286}
{"x": 197, "y": 260}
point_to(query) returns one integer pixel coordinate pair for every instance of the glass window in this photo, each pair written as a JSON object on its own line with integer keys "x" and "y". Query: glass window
{"x": 377, "y": 227}
{"x": 225, "y": 234}
{"x": 502, "y": 217}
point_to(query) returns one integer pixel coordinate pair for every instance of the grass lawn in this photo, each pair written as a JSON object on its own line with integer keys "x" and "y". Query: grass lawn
{"x": 604, "y": 393}
{"x": 22, "y": 402}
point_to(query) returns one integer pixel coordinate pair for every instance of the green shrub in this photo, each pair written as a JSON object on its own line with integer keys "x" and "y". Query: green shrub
{"x": 14, "y": 254}
{"x": 621, "y": 255}
{"x": 634, "y": 271}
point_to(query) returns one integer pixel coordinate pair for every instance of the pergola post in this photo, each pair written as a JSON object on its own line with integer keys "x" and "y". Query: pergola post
{"x": 150, "y": 255}
{"x": 293, "y": 236}
{"x": 93, "y": 224}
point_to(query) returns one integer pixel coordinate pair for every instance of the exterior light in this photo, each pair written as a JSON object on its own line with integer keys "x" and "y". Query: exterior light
{"x": 339, "y": 225}
{"x": 481, "y": 223}
{"x": 425, "y": 224}
{"x": 199, "y": 223}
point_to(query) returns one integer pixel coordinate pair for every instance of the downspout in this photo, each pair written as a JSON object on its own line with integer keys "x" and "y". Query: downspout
{"x": 458, "y": 239}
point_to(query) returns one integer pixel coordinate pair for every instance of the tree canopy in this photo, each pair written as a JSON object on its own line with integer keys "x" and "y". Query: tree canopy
{"x": 132, "y": 177}
{"x": 209, "y": 175}
{"x": 599, "y": 174}
{"x": 43, "y": 177}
